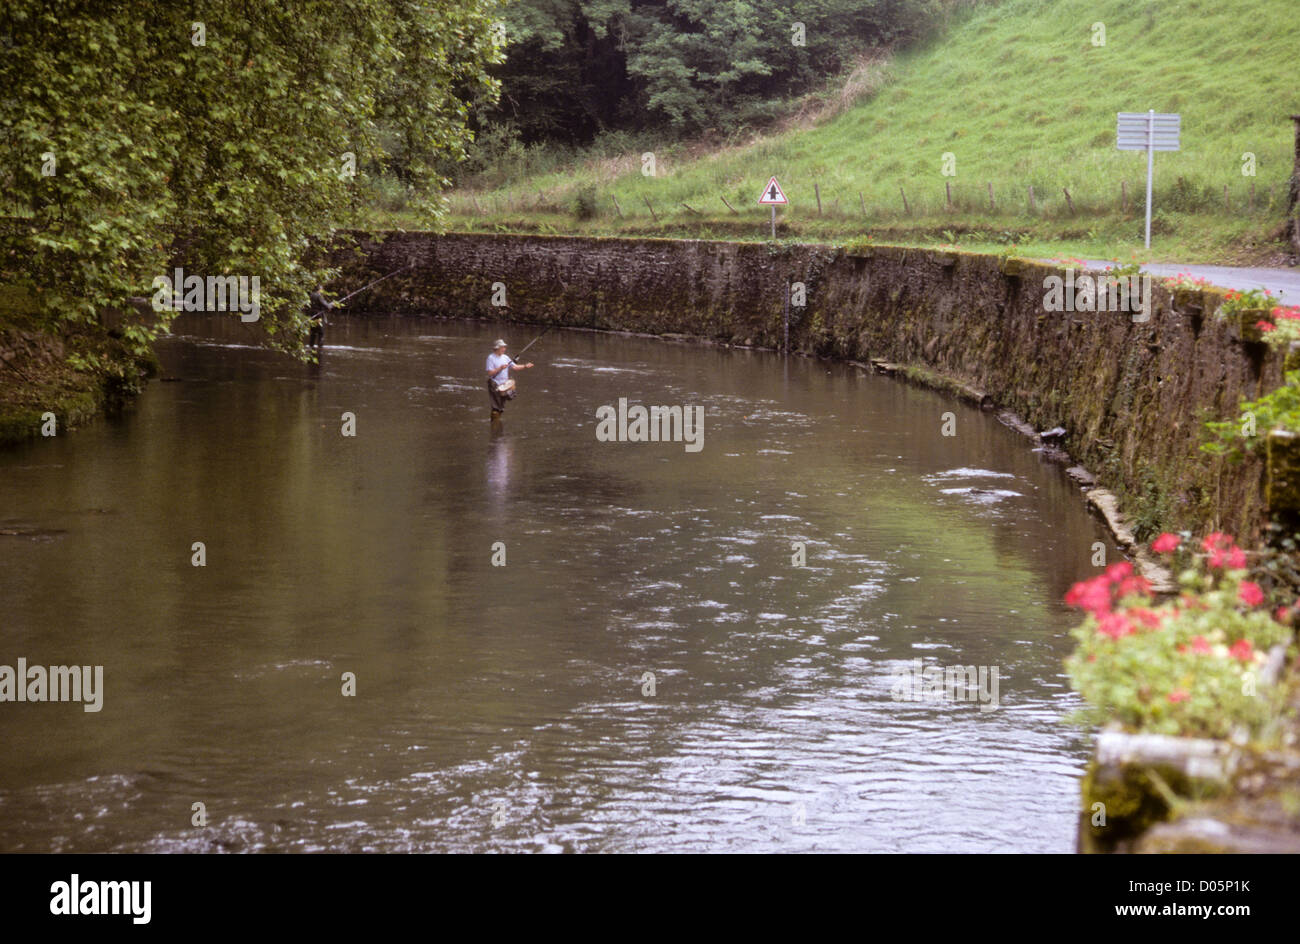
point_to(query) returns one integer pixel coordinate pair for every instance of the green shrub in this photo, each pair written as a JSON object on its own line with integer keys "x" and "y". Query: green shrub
{"x": 584, "y": 204}
{"x": 1235, "y": 438}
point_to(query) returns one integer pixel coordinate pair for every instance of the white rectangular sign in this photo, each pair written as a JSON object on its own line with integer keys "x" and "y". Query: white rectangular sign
{"x": 1133, "y": 133}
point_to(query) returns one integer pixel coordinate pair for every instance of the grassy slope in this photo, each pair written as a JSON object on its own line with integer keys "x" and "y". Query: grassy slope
{"x": 1020, "y": 96}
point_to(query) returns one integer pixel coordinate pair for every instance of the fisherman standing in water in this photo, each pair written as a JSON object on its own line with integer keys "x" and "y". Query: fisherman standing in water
{"x": 500, "y": 387}
{"x": 319, "y": 306}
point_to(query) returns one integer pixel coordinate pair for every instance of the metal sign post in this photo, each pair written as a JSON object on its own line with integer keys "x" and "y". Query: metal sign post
{"x": 1150, "y": 132}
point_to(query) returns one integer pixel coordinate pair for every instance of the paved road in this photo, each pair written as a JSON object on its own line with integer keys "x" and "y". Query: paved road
{"x": 1285, "y": 283}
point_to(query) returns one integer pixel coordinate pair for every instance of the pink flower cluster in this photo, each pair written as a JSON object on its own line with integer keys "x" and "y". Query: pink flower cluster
{"x": 1166, "y": 543}
{"x": 1233, "y": 295}
{"x": 1099, "y": 594}
{"x": 1187, "y": 280}
{"x": 1280, "y": 313}
{"x": 1223, "y": 551}
{"x": 1243, "y": 650}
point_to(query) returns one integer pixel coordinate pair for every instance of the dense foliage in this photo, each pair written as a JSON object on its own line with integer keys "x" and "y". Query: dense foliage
{"x": 579, "y": 67}
{"x": 147, "y": 134}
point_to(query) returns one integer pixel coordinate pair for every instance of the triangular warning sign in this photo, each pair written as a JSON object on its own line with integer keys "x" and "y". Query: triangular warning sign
{"x": 773, "y": 194}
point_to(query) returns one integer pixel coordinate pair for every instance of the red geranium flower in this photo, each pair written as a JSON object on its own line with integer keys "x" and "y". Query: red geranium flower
{"x": 1200, "y": 645}
{"x": 1115, "y": 625}
{"x": 1148, "y": 618}
{"x": 1133, "y": 585}
{"x": 1092, "y": 595}
{"x": 1166, "y": 543}
{"x": 1176, "y": 697}
{"x": 1250, "y": 594}
{"x": 1223, "y": 551}
{"x": 1117, "y": 572}
{"x": 1243, "y": 650}
{"x": 1216, "y": 538}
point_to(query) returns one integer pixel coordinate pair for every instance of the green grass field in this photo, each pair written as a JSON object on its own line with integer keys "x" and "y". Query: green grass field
{"x": 1018, "y": 96}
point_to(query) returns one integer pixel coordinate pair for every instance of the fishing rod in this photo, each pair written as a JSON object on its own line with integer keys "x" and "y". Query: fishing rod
{"x": 531, "y": 343}
{"x": 372, "y": 284}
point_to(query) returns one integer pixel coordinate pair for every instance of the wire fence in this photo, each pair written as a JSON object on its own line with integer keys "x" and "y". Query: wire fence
{"x": 952, "y": 198}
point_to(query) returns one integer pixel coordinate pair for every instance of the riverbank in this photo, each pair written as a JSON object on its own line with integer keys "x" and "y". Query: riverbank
{"x": 39, "y": 382}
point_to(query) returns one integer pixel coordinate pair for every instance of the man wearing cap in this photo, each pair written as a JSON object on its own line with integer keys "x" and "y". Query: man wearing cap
{"x": 498, "y": 372}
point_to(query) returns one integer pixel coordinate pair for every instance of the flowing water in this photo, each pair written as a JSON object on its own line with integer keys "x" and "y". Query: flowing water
{"x": 505, "y": 708}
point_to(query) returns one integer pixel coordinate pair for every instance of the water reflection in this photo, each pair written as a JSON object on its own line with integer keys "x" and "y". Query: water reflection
{"x": 500, "y": 449}
{"x": 504, "y": 707}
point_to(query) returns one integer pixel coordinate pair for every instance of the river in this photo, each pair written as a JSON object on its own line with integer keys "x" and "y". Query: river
{"x": 505, "y": 705}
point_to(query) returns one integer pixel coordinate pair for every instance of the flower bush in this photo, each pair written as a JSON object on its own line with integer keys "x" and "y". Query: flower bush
{"x": 1185, "y": 280}
{"x": 1119, "y": 269}
{"x": 1283, "y": 328}
{"x": 1187, "y": 665}
{"x": 1253, "y": 299}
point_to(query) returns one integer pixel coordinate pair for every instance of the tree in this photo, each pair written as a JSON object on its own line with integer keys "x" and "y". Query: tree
{"x": 142, "y": 135}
